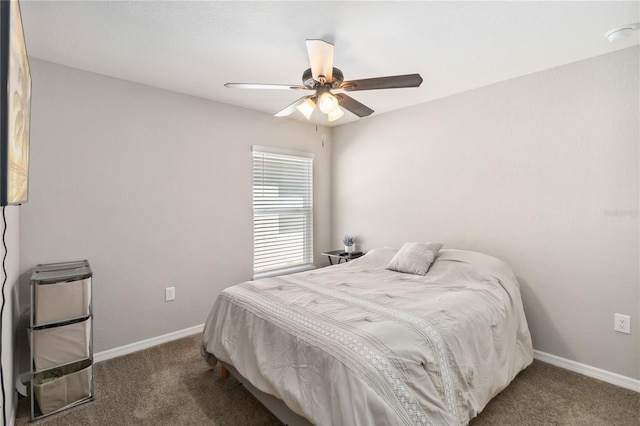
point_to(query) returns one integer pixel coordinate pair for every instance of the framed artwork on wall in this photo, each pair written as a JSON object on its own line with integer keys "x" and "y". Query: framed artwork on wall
{"x": 15, "y": 107}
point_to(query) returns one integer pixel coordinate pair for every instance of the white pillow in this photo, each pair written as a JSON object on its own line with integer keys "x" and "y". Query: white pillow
{"x": 414, "y": 258}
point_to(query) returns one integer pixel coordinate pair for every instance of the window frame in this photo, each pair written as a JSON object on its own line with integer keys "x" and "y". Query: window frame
{"x": 306, "y": 209}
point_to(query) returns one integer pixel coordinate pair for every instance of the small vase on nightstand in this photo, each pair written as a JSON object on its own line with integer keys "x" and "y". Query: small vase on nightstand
{"x": 348, "y": 242}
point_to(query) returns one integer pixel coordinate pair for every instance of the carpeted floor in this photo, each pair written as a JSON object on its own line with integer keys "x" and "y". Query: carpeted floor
{"x": 171, "y": 384}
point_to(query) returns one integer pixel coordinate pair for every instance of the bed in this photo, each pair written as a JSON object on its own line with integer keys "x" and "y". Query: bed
{"x": 359, "y": 344}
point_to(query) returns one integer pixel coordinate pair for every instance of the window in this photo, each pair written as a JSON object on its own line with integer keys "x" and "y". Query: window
{"x": 282, "y": 210}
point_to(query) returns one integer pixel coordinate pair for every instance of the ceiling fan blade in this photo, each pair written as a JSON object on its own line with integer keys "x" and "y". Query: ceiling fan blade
{"x": 392, "y": 82}
{"x": 350, "y": 104}
{"x": 321, "y": 59}
{"x": 290, "y": 109}
{"x": 264, "y": 86}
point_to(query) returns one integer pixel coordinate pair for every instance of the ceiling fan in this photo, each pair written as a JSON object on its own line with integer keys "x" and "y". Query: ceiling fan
{"x": 322, "y": 77}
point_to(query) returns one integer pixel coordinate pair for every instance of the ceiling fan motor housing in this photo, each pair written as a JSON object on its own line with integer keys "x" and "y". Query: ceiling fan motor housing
{"x": 311, "y": 83}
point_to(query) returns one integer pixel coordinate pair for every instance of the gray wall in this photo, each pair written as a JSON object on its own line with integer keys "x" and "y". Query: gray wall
{"x": 155, "y": 189}
{"x": 541, "y": 171}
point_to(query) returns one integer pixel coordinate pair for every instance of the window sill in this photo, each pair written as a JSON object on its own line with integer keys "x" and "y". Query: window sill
{"x": 284, "y": 271}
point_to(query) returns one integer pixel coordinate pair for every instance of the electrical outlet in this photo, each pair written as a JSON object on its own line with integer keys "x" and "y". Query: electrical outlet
{"x": 169, "y": 294}
{"x": 622, "y": 323}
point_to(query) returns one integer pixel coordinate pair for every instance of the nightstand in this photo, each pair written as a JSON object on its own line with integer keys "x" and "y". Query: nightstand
{"x": 341, "y": 254}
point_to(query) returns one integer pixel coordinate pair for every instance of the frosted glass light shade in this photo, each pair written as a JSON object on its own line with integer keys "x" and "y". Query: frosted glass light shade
{"x": 327, "y": 102}
{"x": 335, "y": 114}
{"x": 307, "y": 107}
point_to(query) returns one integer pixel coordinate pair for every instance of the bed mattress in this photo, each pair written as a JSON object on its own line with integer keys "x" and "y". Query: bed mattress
{"x": 356, "y": 343}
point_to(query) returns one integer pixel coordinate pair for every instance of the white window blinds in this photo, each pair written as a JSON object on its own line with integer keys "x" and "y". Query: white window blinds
{"x": 282, "y": 210}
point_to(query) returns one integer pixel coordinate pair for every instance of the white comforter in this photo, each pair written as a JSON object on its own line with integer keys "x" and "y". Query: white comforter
{"x": 356, "y": 344}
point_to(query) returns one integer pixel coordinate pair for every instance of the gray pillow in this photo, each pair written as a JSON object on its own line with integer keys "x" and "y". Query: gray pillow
{"x": 414, "y": 258}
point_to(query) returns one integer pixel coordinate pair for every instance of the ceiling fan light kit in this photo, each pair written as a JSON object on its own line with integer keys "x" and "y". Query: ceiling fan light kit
{"x": 328, "y": 102}
{"x": 335, "y": 114}
{"x": 307, "y": 107}
{"x": 322, "y": 77}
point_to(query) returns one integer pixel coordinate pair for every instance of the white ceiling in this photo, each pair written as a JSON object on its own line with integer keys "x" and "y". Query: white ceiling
{"x": 195, "y": 47}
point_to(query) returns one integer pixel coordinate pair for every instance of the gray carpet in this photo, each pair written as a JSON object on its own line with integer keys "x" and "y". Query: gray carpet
{"x": 170, "y": 384}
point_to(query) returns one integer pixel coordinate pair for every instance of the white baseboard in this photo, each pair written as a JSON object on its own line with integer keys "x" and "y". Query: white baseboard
{"x": 144, "y": 344}
{"x": 587, "y": 370}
